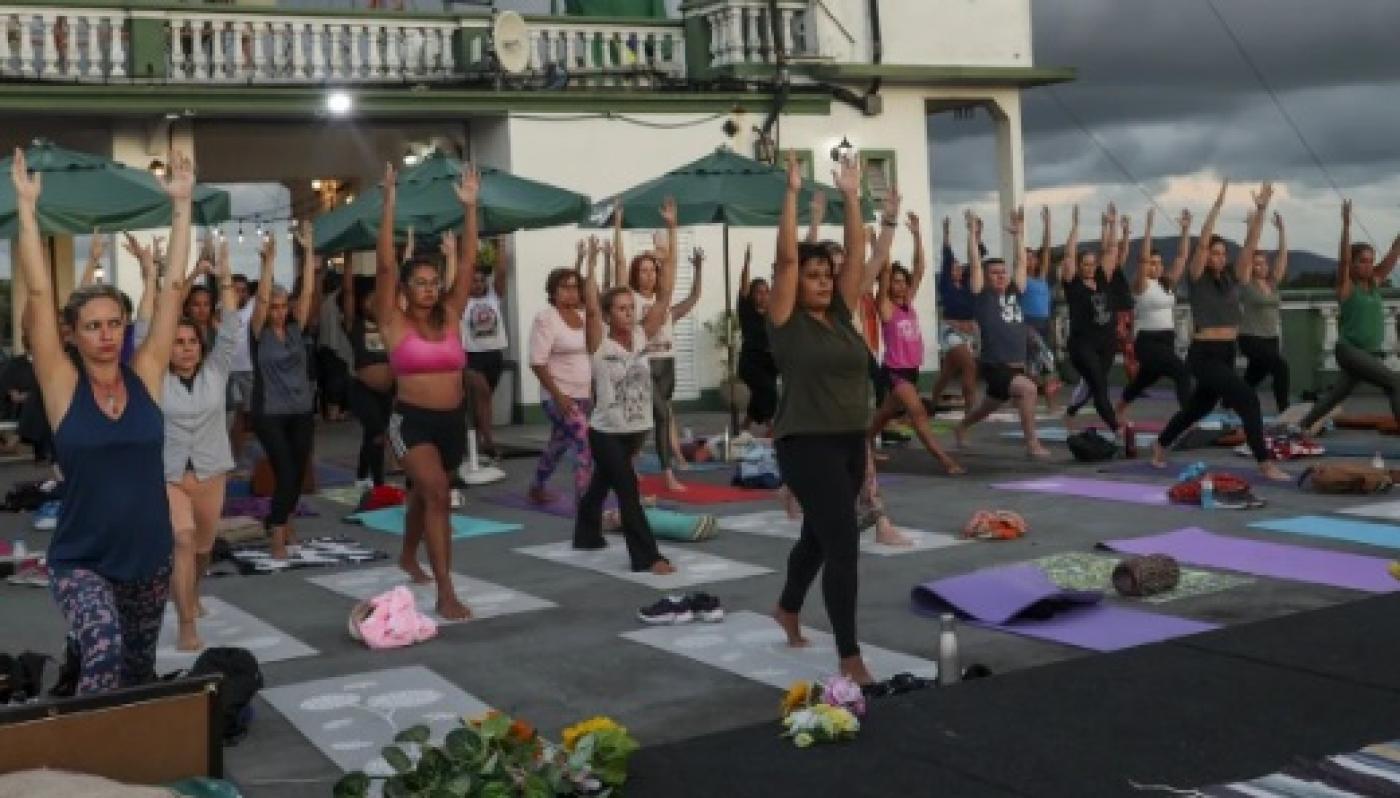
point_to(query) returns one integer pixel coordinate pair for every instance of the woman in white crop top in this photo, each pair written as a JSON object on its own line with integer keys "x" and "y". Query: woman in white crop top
{"x": 1154, "y": 319}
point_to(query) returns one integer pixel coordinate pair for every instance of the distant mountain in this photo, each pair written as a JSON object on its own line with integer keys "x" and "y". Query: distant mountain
{"x": 1305, "y": 269}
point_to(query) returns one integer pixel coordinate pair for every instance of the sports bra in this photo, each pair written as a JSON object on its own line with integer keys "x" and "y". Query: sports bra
{"x": 415, "y": 354}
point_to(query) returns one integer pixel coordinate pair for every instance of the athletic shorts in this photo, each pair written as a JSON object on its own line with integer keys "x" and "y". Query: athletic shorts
{"x": 998, "y": 377}
{"x": 488, "y": 364}
{"x": 895, "y": 376}
{"x": 411, "y": 426}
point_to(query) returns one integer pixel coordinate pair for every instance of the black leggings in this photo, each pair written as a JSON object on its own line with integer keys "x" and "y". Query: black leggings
{"x": 286, "y": 440}
{"x": 1092, "y": 356}
{"x": 612, "y": 471}
{"x": 760, "y": 374}
{"x": 663, "y": 387}
{"x": 1212, "y": 363}
{"x": 372, "y": 408}
{"x": 1157, "y": 358}
{"x": 825, "y": 474}
{"x": 1265, "y": 360}
{"x": 1357, "y": 366}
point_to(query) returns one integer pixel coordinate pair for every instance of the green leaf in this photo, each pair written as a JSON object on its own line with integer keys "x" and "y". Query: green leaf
{"x": 413, "y": 734}
{"x": 397, "y": 759}
{"x": 352, "y": 785}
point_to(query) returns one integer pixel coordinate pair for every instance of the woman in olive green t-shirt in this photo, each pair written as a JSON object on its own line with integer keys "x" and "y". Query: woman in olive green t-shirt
{"x": 1361, "y": 342}
{"x": 823, "y": 411}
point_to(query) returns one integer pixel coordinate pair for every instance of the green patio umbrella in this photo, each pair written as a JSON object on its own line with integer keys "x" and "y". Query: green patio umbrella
{"x": 83, "y": 192}
{"x": 427, "y": 202}
{"x": 721, "y": 188}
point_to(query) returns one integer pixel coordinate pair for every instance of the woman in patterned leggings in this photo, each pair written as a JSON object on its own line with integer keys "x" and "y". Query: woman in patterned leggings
{"x": 110, "y": 555}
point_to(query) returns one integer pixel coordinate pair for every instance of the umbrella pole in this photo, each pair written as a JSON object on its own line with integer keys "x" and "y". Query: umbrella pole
{"x": 729, "y": 341}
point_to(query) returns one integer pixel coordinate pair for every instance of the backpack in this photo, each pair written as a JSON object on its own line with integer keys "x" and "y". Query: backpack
{"x": 1090, "y": 447}
{"x": 242, "y": 680}
{"x": 1345, "y": 478}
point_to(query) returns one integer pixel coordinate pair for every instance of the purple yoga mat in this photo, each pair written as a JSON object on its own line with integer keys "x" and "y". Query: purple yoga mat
{"x": 1196, "y": 546}
{"x": 1131, "y": 492}
{"x": 1001, "y": 598}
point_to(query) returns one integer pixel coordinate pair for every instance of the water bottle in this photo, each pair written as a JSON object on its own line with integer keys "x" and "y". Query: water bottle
{"x": 1378, "y": 462}
{"x": 948, "y": 670}
{"x": 1207, "y": 493}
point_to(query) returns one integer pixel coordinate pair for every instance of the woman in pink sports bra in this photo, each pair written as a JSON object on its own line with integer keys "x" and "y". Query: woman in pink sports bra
{"x": 904, "y": 348}
{"x": 428, "y": 426}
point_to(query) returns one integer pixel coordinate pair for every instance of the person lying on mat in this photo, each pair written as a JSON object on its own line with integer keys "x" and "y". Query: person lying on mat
{"x": 622, "y": 410}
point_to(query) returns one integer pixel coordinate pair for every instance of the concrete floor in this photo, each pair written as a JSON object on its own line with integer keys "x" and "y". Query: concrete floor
{"x": 561, "y": 665}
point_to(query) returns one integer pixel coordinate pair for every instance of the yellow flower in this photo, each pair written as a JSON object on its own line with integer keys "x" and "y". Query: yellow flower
{"x": 591, "y": 726}
{"x": 803, "y": 740}
{"x": 796, "y": 697}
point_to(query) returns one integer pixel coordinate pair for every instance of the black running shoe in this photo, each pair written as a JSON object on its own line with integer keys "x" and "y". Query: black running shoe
{"x": 705, "y": 607}
{"x": 670, "y": 610}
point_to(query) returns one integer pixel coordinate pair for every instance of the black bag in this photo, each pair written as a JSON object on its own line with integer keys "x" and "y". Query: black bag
{"x": 242, "y": 680}
{"x": 1090, "y": 447}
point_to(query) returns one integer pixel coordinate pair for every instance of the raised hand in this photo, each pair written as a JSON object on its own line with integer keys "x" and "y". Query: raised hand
{"x": 468, "y": 186}
{"x": 911, "y": 220}
{"x": 179, "y": 178}
{"x": 670, "y": 214}
{"x": 847, "y": 177}
{"x": 27, "y": 186}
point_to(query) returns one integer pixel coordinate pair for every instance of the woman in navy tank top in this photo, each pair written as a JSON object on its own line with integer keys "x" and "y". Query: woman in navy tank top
{"x": 109, "y": 559}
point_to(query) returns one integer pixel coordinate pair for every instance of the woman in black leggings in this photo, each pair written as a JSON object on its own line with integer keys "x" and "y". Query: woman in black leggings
{"x": 1361, "y": 334}
{"x": 756, "y": 366}
{"x": 371, "y": 393}
{"x": 1092, "y": 326}
{"x": 1154, "y": 320}
{"x": 1261, "y": 327}
{"x": 1215, "y": 311}
{"x": 822, "y": 413}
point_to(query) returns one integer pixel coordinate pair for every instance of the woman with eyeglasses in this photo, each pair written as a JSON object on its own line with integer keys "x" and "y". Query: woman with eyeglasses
{"x": 428, "y": 428}
{"x": 559, "y": 358}
{"x": 110, "y": 555}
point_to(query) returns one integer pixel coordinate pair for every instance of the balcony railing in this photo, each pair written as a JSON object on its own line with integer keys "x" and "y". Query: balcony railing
{"x": 209, "y": 44}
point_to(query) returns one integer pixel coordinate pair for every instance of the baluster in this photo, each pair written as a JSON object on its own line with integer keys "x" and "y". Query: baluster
{"x": 117, "y": 27}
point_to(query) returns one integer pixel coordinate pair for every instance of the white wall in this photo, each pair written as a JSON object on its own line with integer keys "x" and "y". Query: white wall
{"x": 936, "y": 32}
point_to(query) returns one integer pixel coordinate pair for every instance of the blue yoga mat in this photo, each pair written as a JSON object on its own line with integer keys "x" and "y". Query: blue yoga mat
{"x": 1383, "y": 535}
{"x": 391, "y": 520}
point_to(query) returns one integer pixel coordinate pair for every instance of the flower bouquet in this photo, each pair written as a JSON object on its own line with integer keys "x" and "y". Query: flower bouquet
{"x": 496, "y": 756}
{"x": 824, "y": 712}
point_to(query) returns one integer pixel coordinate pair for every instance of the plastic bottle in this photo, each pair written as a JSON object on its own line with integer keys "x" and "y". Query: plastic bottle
{"x": 948, "y": 670}
{"x": 1207, "y": 493}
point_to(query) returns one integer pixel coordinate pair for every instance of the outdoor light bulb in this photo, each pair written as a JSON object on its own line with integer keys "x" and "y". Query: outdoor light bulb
{"x": 339, "y": 103}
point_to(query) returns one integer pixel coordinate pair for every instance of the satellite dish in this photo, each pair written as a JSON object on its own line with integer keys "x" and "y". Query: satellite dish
{"x": 510, "y": 40}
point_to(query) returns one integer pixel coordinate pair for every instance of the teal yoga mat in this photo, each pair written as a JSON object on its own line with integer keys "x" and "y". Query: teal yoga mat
{"x": 391, "y": 520}
{"x": 1317, "y": 526}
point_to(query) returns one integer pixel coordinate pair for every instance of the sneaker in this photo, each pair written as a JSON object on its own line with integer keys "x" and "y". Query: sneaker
{"x": 670, "y": 610}
{"x": 705, "y": 607}
{"x": 46, "y": 517}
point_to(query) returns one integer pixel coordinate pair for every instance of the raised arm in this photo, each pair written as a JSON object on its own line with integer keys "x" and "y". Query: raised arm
{"x": 1245, "y": 263}
{"x": 468, "y": 192}
{"x": 54, "y": 372}
{"x": 783, "y": 297}
{"x": 744, "y": 273}
{"x": 852, "y": 279}
{"x": 916, "y": 275}
{"x": 697, "y": 259}
{"x": 1144, "y": 254}
{"x": 152, "y": 358}
{"x": 1280, "y": 268}
{"x": 267, "y": 255}
{"x": 1344, "y": 256}
{"x": 975, "y": 278}
{"x": 1018, "y": 235}
{"x": 96, "y": 249}
{"x": 619, "y": 265}
{"x": 1198, "y": 257}
{"x": 1183, "y": 248}
{"x": 592, "y": 305}
{"x": 816, "y": 213}
{"x": 1069, "y": 259}
{"x": 386, "y": 266}
{"x": 666, "y": 278}
{"x": 304, "y": 312}
{"x": 884, "y": 242}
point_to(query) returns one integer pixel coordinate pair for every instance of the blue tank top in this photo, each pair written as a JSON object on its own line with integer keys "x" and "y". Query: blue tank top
{"x": 1035, "y": 300}
{"x": 115, "y": 518}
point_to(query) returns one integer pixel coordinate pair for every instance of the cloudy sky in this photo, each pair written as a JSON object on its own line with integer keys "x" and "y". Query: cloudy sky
{"x": 1169, "y": 95}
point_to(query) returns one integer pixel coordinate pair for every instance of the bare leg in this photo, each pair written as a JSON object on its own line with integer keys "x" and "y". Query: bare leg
{"x": 412, "y": 535}
{"x": 430, "y": 489}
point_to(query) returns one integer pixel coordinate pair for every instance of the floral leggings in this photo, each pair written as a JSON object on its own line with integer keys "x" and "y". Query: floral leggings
{"x": 116, "y": 624}
{"x": 566, "y": 433}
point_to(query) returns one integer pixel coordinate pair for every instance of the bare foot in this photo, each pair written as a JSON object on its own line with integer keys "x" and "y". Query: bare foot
{"x": 188, "y": 639}
{"x": 538, "y": 495}
{"x": 854, "y": 668}
{"x": 960, "y": 436}
{"x": 1159, "y": 455}
{"x": 791, "y": 625}
{"x": 1037, "y": 452}
{"x": 662, "y": 567}
{"x": 887, "y": 535}
{"x": 452, "y": 609}
{"x": 415, "y": 571}
{"x": 1271, "y": 471}
{"x": 672, "y": 484}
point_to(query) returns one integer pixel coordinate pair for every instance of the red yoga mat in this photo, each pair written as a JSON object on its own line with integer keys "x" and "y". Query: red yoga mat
{"x": 700, "y": 492}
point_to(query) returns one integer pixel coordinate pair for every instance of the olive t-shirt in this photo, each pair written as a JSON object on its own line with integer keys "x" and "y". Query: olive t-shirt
{"x": 826, "y": 385}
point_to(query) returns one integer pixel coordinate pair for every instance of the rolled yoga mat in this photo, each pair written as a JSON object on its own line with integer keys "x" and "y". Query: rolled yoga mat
{"x": 1197, "y": 546}
{"x": 1021, "y": 599}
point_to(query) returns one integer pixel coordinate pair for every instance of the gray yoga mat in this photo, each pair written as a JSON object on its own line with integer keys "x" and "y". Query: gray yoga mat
{"x": 226, "y": 625}
{"x": 692, "y": 567}
{"x": 486, "y": 599}
{"x": 752, "y": 646}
